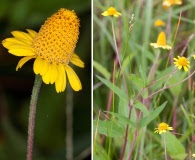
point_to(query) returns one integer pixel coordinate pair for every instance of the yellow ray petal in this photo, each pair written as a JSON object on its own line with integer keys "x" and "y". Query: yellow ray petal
{"x": 51, "y": 75}
{"x": 54, "y": 73}
{"x": 21, "y": 50}
{"x": 15, "y": 41}
{"x": 37, "y": 65}
{"x": 23, "y": 61}
{"x": 40, "y": 66}
{"x": 44, "y": 67}
{"x": 105, "y": 13}
{"x": 32, "y": 33}
{"x": 60, "y": 83}
{"x": 73, "y": 78}
{"x": 23, "y": 35}
{"x": 77, "y": 61}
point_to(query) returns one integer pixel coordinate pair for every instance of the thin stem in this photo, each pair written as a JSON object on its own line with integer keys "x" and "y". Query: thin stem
{"x": 165, "y": 148}
{"x": 170, "y": 86}
{"x": 125, "y": 86}
{"x": 172, "y": 72}
{"x": 119, "y": 62}
{"x": 135, "y": 136}
{"x": 69, "y": 124}
{"x": 177, "y": 29}
{"x": 96, "y": 131}
{"x": 32, "y": 113}
{"x": 154, "y": 65}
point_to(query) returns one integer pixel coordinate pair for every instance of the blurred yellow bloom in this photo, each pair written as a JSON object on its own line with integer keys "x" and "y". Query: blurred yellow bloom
{"x": 193, "y": 155}
{"x": 52, "y": 47}
{"x": 182, "y": 62}
{"x": 159, "y": 23}
{"x": 193, "y": 56}
{"x": 111, "y": 12}
{"x": 162, "y": 128}
{"x": 168, "y": 3}
{"x": 161, "y": 42}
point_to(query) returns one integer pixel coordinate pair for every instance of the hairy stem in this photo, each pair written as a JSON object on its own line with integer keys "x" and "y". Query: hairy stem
{"x": 32, "y": 113}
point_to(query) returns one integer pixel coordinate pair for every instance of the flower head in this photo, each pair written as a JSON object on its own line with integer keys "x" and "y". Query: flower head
{"x": 162, "y": 128}
{"x": 182, "y": 62}
{"x": 161, "y": 42}
{"x": 52, "y": 47}
{"x": 111, "y": 12}
{"x": 159, "y": 23}
{"x": 193, "y": 56}
{"x": 168, "y": 3}
{"x": 193, "y": 155}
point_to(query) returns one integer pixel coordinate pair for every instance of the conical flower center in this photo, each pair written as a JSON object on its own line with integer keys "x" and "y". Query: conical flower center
{"x": 57, "y": 38}
{"x": 161, "y": 39}
{"x": 183, "y": 61}
{"x": 163, "y": 126}
{"x": 111, "y": 11}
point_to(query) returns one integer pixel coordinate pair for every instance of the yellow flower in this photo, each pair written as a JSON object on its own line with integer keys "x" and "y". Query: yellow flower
{"x": 161, "y": 42}
{"x": 52, "y": 47}
{"x": 162, "y": 128}
{"x": 159, "y": 23}
{"x": 193, "y": 56}
{"x": 193, "y": 155}
{"x": 168, "y": 3}
{"x": 111, "y": 12}
{"x": 182, "y": 62}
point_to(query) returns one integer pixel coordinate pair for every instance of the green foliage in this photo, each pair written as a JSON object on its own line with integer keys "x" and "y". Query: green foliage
{"x": 114, "y": 88}
{"x": 101, "y": 69}
{"x": 108, "y": 128}
{"x": 174, "y": 147}
{"x": 141, "y": 107}
{"x": 137, "y": 91}
{"x": 152, "y": 115}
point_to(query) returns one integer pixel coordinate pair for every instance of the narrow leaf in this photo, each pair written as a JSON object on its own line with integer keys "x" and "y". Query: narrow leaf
{"x": 108, "y": 128}
{"x": 141, "y": 107}
{"x": 101, "y": 69}
{"x": 114, "y": 88}
{"x": 143, "y": 75}
{"x": 123, "y": 119}
{"x": 152, "y": 115}
{"x": 174, "y": 147}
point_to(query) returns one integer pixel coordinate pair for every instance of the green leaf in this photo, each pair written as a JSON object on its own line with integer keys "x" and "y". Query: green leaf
{"x": 174, "y": 147}
{"x": 143, "y": 75}
{"x": 124, "y": 120}
{"x": 108, "y": 128}
{"x": 139, "y": 84}
{"x": 141, "y": 107}
{"x": 114, "y": 88}
{"x": 152, "y": 115}
{"x": 100, "y": 153}
{"x": 137, "y": 81}
{"x": 101, "y": 69}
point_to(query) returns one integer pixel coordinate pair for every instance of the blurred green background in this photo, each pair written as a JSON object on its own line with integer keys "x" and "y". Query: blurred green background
{"x": 15, "y": 87}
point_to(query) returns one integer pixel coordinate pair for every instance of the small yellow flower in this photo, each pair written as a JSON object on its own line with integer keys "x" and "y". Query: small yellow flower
{"x": 168, "y": 3}
{"x": 193, "y": 155}
{"x": 193, "y": 56}
{"x": 159, "y": 23}
{"x": 111, "y": 12}
{"x": 162, "y": 128}
{"x": 52, "y": 47}
{"x": 161, "y": 42}
{"x": 182, "y": 62}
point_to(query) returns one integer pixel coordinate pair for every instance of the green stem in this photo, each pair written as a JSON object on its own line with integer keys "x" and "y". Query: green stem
{"x": 32, "y": 112}
{"x": 69, "y": 123}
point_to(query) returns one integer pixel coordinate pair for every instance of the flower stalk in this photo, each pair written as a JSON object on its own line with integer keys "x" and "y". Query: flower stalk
{"x": 32, "y": 113}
